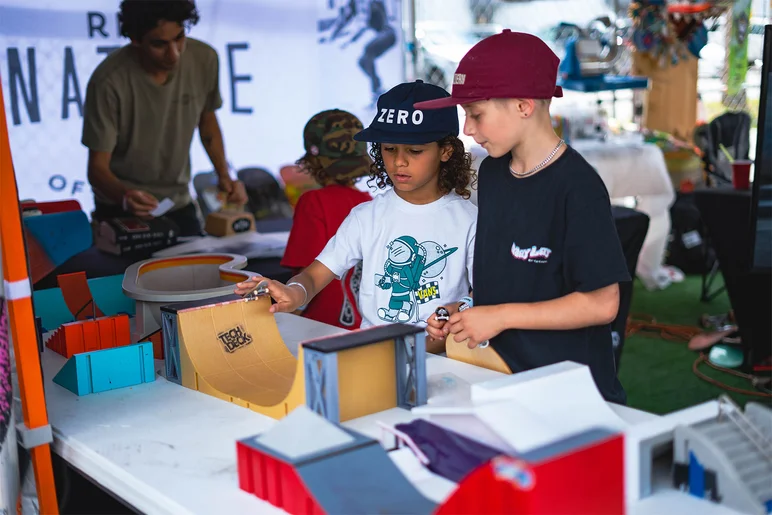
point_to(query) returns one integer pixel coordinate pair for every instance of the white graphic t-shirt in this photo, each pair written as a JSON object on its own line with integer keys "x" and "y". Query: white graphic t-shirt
{"x": 414, "y": 258}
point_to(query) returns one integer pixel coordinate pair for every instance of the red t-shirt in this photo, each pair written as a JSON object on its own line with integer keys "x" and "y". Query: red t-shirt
{"x": 318, "y": 214}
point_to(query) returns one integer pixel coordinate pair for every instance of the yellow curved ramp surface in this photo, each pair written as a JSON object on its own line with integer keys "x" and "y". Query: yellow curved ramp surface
{"x": 234, "y": 351}
{"x": 484, "y": 357}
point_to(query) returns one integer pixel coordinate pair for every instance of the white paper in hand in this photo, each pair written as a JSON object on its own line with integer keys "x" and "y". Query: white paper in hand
{"x": 163, "y": 207}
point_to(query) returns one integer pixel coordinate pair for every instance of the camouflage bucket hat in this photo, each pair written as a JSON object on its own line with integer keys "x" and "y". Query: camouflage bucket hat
{"x": 329, "y": 138}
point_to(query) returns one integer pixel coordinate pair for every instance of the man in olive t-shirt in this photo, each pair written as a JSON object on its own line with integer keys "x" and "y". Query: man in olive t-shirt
{"x": 143, "y": 104}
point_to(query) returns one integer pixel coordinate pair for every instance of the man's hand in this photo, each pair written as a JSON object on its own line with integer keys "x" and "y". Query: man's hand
{"x": 475, "y": 325}
{"x": 439, "y": 329}
{"x": 235, "y": 190}
{"x": 139, "y": 203}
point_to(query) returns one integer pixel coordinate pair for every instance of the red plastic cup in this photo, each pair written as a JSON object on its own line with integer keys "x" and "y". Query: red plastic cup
{"x": 741, "y": 175}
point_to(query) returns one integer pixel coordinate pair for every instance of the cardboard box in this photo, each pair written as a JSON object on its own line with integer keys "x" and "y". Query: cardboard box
{"x": 227, "y": 223}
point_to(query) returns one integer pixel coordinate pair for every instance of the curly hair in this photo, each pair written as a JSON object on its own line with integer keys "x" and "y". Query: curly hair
{"x": 456, "y": 174}
{"x": 311, "y": 165}
{"x": 138, "y": 17}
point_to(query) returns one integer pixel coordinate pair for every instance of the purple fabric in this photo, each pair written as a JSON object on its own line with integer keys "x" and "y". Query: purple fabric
{"x": 450, "y": 454}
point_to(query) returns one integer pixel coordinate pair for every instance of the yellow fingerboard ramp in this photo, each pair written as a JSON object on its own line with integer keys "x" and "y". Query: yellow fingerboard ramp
{"x": 485, "y": 357}
{"x": 231, "y": 349}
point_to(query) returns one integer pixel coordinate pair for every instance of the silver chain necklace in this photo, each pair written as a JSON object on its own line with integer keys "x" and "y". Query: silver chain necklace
{"x": 537, "y": 167}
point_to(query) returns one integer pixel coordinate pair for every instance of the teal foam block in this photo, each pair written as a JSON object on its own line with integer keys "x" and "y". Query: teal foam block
{"x": 108, "y": 369}
{"x": 107, "y": 292}
{"x": 61, "y": 235}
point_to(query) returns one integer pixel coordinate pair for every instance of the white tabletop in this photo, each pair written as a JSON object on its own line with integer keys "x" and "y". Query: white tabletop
{"x": 164, "y": 448}
{"x": 667, "y": 502}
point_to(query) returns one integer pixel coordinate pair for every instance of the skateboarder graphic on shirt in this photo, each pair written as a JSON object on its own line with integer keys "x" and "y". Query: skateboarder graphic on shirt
{"x": 406, "y": 269}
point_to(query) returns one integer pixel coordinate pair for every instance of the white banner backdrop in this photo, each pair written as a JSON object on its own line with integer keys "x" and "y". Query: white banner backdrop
{"x": 281, "y": 61}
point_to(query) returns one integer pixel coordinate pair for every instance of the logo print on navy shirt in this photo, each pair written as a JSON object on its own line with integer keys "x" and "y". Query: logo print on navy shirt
{"x": 531, "y": 254}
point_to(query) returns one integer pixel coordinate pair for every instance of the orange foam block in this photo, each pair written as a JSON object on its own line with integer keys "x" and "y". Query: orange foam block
{"x": 157, "y": 339}
{"x": 77, "y": 296}
{"x": 90, "y": 335}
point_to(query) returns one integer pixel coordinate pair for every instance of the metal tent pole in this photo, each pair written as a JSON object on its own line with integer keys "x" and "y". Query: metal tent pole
{"x": 34, "y": 432}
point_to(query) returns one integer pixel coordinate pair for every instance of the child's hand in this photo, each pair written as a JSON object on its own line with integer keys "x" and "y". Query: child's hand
{"x": 288, "y": 298}
{"x": 439, "y": 329}
{"x": 475, "y": 325}
{"x": 247, "y": 286}
{"x": 435, "y": 346}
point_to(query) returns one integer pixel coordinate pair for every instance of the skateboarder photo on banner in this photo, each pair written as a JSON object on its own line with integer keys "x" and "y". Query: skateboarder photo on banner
{"x": 549, "y": 286}
{"x": 384, "y": 39}
{"x": 347, "y": 12}
{"x": 416, "y": 240}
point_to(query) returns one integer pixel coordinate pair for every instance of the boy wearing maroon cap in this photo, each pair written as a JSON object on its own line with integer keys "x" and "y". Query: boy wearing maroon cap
{"x": 549, "y": 261}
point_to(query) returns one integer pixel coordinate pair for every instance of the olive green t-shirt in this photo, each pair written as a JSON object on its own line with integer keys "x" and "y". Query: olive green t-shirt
{"x": 147, "y": 126}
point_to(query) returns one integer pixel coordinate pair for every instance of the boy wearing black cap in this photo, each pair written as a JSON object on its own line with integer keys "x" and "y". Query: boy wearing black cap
{"x": 549, "y": 261}
{"x": 416, "y": 241}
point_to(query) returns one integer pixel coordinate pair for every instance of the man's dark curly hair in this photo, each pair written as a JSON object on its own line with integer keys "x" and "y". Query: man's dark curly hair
{"x": 138, "y": 17}
{"x": 456, "y": 174}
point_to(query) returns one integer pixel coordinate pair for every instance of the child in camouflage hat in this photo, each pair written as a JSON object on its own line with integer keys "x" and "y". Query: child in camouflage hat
{"x": 336, "y": 162}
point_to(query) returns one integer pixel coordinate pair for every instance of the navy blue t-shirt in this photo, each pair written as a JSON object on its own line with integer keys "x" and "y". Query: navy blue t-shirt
{"x": 540, "y": 238}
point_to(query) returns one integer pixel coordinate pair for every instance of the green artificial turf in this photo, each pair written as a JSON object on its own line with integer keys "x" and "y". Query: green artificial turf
{"x": 657, "y": 373}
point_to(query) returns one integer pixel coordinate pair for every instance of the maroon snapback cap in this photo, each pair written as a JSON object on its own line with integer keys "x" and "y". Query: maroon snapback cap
{"x": 505, "y": 65}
